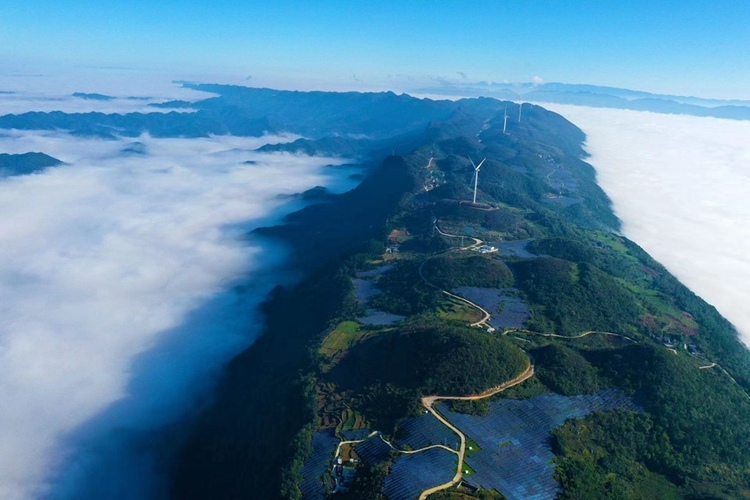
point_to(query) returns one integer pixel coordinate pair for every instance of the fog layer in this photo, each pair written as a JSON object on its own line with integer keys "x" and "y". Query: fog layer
{"x": 680, "y": 184}
{"x": 126, "y": 279}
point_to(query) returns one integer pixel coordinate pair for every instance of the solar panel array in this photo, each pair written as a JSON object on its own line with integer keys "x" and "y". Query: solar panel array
{"x": 515, "y": 249}
{"x": 318, "y": 462}
{"x": 373, "y": 450}
{"x": 413, "y": 473}
{"x": 425, "y": 430}
{"x": 507, "y": 310}
{"x": 515, "y": 457}
{"x": 513, "y": 313}
{"x": 354, "y": 435}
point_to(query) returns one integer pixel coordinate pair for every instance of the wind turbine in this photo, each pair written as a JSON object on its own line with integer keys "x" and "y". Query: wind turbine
{"x": 476, "y": 176}
{"x": 520, "y": 107}
{"x": 505, "y": 119}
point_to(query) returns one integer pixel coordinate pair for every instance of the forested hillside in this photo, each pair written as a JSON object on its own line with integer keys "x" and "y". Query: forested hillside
{"x": 412, "y": 291}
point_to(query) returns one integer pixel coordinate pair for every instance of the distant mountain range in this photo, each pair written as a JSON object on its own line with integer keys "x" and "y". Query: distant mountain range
{"x": 599, "y": 97}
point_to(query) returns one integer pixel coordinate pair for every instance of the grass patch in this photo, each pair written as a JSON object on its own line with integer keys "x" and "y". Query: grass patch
{"x": 451, "y": 309}
{"x": 471, "y": 448}
{"x": 527, "y": 389}
{"x": 467, "y": 470}
{"x": 340, "y": 338}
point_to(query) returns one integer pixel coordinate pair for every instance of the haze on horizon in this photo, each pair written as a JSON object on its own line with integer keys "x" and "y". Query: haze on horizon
{"x": 673, "y": 47}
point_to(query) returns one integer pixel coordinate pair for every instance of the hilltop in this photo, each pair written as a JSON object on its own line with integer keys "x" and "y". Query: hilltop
{"x": 26, "y": 163}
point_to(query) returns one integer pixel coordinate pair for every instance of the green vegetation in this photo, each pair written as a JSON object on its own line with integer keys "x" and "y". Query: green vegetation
{"x": 571, "y": 298}
{"x": 456, "y": 270}
{"x": 316, "y": 367}
{"x": 340, "y": 338}
{"x": 351, "y": 420}
{"x": 471, "y": 447}
{"x": 405, "y": 292}
{"x": 388, "y": 373}
{"x": 566, "y": 371}
{"x": 450, "y": 360}
{"x": 368, "y": 482}
{"x": 452, "y": 309}
{"x": 685, "y": 445}
{"x": 525, "y": 390}
{"x": 477, "y": 407}
{"x": 602, "y": 456}
{"x": 466, "y": 494}
{"x": 564, "y": 248}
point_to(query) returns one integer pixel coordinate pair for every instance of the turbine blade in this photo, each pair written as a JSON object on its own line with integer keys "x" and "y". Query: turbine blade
{"x": 480, "y": 164}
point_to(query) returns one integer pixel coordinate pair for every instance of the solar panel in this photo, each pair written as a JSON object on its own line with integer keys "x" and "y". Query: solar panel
{"x": 515, "y": 458}
{"x": 424, "y": 430}
{"x": 373, "y": 450}
{"x": 413, "y": 473}
{"x": 317, "y": 463}
{"x": 355, "y": 435}
{"x": 506, "y": 308}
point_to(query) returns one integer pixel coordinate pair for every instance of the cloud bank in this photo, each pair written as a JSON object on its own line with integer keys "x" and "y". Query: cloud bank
{"x": 130, "y": 91}
{"x": 680, "y": 184}
{"x": 125, "y": 281}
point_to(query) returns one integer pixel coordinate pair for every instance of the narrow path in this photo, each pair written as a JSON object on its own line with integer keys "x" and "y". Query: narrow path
{"x": 391, "y": 445}
{"x": 429, "y": 401}
{"x": 477, "y": 241}
{"x": 482, "y": 322}
{"x": 580, "y": 335}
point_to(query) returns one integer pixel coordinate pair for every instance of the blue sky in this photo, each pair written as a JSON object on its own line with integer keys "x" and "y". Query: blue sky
{"x": 680, "y": 47}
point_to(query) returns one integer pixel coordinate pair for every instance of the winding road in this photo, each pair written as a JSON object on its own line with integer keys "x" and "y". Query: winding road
{"x": 580, "y": 335}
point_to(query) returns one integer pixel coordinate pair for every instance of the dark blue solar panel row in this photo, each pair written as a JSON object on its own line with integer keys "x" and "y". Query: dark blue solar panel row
{"x": 373, "y": 450}
{"x": 413, "y": 473}
{"x": 515, "y": 456}
{"x": 425, "y": 430}
{"x": 318, "y": 462}
{"x": 355, "y": 435}
{"x": 507, "y": 310}
{"x": 513, "y": 313}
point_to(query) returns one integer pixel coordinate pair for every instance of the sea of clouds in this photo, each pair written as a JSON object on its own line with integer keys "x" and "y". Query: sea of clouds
{"x": 126, "y": 282}
{"x": 681, "y": 185}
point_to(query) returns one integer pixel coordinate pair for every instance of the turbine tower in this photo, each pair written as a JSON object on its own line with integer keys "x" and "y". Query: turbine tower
{"x": 505, "y": 119}
{"x": 476, "y": 176}
{"x": 520, "y": 107}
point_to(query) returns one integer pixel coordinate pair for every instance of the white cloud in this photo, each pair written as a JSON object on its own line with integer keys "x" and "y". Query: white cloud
{"x": 680, "y": 184}
{"x": 116, "y": 288}
{"x": 537, "y": 80}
